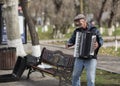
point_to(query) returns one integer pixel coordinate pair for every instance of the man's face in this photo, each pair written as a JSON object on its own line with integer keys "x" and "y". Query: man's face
{"x": 83, "y": 23}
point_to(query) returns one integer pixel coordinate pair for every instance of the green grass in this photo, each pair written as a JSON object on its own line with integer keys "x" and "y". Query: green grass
{"x": 45, "y": 35}
{"x": 117, "y": 32}
{"x": 103, "y": 78}
{"x": 49, "y": 33}
{"x": 110, "y": 51}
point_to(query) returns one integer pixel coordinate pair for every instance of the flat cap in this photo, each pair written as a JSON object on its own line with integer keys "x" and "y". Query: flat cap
{"x": 79, "y": 16}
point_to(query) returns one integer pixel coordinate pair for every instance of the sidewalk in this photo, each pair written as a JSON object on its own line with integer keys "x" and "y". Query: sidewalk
{"x": 109, "y": 63}
{"x": 36, "y": 79}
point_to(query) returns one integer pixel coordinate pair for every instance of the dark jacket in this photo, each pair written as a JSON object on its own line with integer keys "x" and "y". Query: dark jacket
{"x": 91, "y": 29}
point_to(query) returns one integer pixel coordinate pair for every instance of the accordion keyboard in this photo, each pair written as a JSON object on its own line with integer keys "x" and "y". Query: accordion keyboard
{"x": 84, "y": 44}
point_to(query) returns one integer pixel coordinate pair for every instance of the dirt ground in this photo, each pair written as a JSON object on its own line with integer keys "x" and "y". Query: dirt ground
{"x": 36, "y": 79}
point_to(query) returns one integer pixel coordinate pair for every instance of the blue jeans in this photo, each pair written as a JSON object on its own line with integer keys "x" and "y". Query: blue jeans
{"x": 90, "y": 66}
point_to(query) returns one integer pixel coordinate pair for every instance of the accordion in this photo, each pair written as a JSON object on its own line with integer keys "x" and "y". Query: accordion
{"x": 84, "y": 44}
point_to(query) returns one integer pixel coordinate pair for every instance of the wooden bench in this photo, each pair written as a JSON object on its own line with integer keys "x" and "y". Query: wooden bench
{"x": 61, "y": 65}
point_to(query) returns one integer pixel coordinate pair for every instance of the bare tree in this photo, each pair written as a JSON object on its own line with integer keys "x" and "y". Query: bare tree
{"x": 81, "y": 6}
{"x": 77, "y": 6}
{"x": 101, "y": 12}
{"x": 113, "y": 11}
{"x": 34, "y": 36}
{"x": 12, "y": 25}
{"x": 59, "y": 12}
{"x": 1, "y": 1}
{"x": 63, "y": 18}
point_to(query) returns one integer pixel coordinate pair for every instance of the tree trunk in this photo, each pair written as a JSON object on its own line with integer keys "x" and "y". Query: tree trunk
{"x": 112, "y": 14}
{"x": 81, "y": 6}
{"x": 34, "y": 36}
{"x": 12, "y": 26}
{"x": 58, "y": 4}
{"x": 101, "y": 12}
{"x": 77, "y": 6}
{"x": 111, "y": 19}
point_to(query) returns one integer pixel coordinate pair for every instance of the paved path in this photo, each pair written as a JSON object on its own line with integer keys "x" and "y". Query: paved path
{"x": 36, "y": 79}
{"x": 109, "y": 63}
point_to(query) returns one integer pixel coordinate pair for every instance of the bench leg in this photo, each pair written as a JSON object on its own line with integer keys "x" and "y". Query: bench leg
{"x": 65, "y": 80}
{"x": 33, "y": 70}
{"x": 29, "y": 72}
{"x": 43, "y": 75}
{"x": 62, "y": 82}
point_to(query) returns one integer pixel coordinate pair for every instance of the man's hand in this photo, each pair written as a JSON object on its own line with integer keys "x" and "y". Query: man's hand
{"x": 96, "y": 45}
{"x": 67, "y": 45}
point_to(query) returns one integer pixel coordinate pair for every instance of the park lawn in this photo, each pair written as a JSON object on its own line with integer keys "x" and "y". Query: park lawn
{"x": 109, "y": 51}
{"x": 103, "y": 78}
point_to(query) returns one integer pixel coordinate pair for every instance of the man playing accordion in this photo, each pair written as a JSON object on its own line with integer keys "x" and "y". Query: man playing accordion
{"x": 83, "y": 58}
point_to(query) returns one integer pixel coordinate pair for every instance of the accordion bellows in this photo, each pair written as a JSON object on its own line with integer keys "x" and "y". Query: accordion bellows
{"x": 84, "y": 44}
